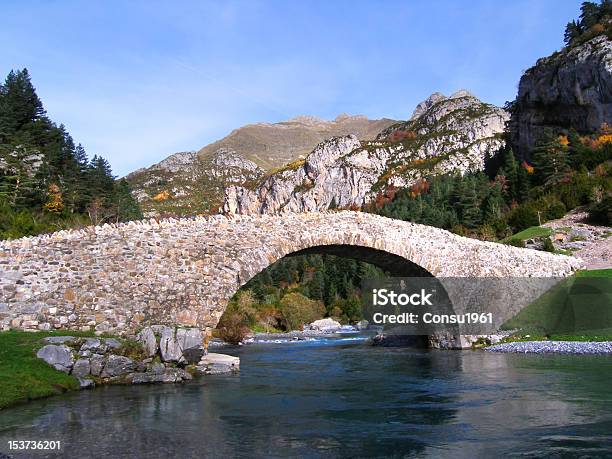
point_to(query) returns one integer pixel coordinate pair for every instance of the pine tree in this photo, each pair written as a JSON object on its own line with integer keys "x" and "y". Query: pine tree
{"x": 493, "y": 204}
{"x": 550, "y": 160}
{"x": 470, "y": 211}
{"x": 127, "y": 207}
{"x": 17, "y": 182}
{"x": 20, "y": 103}
{"x": 523, "y": 185}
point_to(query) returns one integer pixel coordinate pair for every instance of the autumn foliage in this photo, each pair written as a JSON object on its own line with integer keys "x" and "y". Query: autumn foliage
{"x": 54, "y": 204}
{"x": 162, "y": 196}
{"x": 400, "y": 135}
{"x": 418, "y": 188}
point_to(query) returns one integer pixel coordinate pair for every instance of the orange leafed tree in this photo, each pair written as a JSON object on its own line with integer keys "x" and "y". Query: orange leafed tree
{"x": 55, "y": 204}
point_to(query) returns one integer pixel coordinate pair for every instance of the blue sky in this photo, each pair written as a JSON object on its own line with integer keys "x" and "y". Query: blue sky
{"x": 137, "y": 81}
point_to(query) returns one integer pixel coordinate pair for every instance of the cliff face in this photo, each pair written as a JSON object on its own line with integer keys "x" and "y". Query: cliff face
{"x": 445, "y": 134}
{"x": 194, "y": 182}
{"x": 571, "y": 88}
{"x": 186, "y": 183}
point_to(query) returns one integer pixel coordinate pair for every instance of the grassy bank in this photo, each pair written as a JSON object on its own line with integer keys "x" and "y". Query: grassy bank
{"x": 23, "y": 376}
{"x": 579, "y": 308}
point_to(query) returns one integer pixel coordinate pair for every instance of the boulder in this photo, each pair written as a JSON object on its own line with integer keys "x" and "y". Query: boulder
{"x": 112, "y": 343}
{"x": 325, "y": 325}
{"x": 188, "y": 338}
{"x": 169, "y": 347}
{"x": 60, "y": 339}
{"x": 96, "y": 364}
{"x": 213, "y": 364}
{"x": 117, "y": 365}
{"x": 58, "y": 356}
{"x": 93, "y": 345}
{"x": 81, "y": 368}
{"x": 148, "y": 341}
{"x": 193, "y": 354}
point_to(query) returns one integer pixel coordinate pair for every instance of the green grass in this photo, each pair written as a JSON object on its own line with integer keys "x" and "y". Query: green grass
{"x": 594, "y": 273}
{"x": 23, "y": 376}
{"x": 578, "y": 308}
{"x": 529, "y": 233}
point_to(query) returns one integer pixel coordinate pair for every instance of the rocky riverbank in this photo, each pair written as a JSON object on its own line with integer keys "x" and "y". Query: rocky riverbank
{"x": 553, "y": 347}
{"x": 158, "y": 354}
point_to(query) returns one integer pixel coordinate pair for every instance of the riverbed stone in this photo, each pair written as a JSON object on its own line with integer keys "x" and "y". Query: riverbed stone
{"x": 325, "y": 325}
{"x": 169, "y": 375}
{"x": 117, "y": 365}
{"x": 213, "y": 364}
{"x": 58, "y": 356}
{"x": 81, "y": 368}
{"x": 86, "y": 383}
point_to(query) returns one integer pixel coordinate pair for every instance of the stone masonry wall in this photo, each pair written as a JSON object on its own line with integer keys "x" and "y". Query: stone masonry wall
{"x": 119, "y": 278}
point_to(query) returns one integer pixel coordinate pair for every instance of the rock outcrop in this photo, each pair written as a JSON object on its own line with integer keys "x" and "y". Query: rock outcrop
{"x": 445, "y": 134}
{"x": 570, "y": 88}
{"x": 194, "y": 182}
{"x": 101, "y": 361}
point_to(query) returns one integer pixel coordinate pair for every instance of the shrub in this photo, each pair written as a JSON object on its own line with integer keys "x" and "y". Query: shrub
{"x": 516, "y": 243}
{"x": 523, "y": 217}
{"x": 601, "y": 212}
{"x": 548, "y": 245}
{"x": 297, "y": 310}
{"x": 232, "y": 327}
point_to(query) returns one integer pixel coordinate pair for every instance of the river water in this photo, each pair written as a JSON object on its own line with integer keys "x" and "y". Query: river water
{"x": 340, "y": 398}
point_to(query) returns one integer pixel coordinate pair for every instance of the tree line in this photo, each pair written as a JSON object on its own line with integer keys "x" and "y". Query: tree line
{"x": 47, "y": 182}
{"x": 564, "y": 172}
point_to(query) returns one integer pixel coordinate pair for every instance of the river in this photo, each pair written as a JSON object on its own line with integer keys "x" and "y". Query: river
{"x": 340, "y": 398}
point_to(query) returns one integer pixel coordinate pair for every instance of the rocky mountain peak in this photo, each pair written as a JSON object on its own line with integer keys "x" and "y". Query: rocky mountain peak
{"x": 449, "y": 134}
{"x": 570, "y": 88}
{"x": 191, "y": 182}
{"x": 422, "y": 107}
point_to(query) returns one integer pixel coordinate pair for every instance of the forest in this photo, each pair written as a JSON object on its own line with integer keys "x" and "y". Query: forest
{"x": 47, "y": 181}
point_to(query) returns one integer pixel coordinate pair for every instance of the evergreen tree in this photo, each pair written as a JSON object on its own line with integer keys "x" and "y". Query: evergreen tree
{"x": 550, "y": 161}
{"x": 20, "y": 103}
{"x": 469, "y": 205}
{"x": 127, "y": 207}
{"x": 17, "y": 178}
{"x": 523, "y": 185}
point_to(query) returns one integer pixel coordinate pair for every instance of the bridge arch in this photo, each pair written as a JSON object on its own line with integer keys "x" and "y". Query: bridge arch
{"x": 118, "y": 278}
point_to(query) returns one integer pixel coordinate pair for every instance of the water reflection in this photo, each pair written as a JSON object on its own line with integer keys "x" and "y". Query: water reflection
{"x": 329, "y": 398}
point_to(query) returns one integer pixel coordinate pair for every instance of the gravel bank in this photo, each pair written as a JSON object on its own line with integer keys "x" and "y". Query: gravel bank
{"x": 554, "y": 347}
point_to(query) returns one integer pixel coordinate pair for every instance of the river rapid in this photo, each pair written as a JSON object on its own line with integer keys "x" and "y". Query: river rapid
{"x": 338, "y": 397}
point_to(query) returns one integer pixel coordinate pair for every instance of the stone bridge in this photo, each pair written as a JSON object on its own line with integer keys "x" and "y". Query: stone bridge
{"x": 118, "y": 278}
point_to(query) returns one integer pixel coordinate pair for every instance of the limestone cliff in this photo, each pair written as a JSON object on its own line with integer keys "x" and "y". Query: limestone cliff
{"x": 194, "y": 182}
{"x": 570, "y": 88}
{"x": 445, "y": 134}
{"x": 186, "y": 183}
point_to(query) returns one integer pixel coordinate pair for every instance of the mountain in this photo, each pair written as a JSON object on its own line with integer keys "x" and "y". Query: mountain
{"x": 571, "y": 88}
{"x": 194, "y": 182}
{"x": 444, "y": 134}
